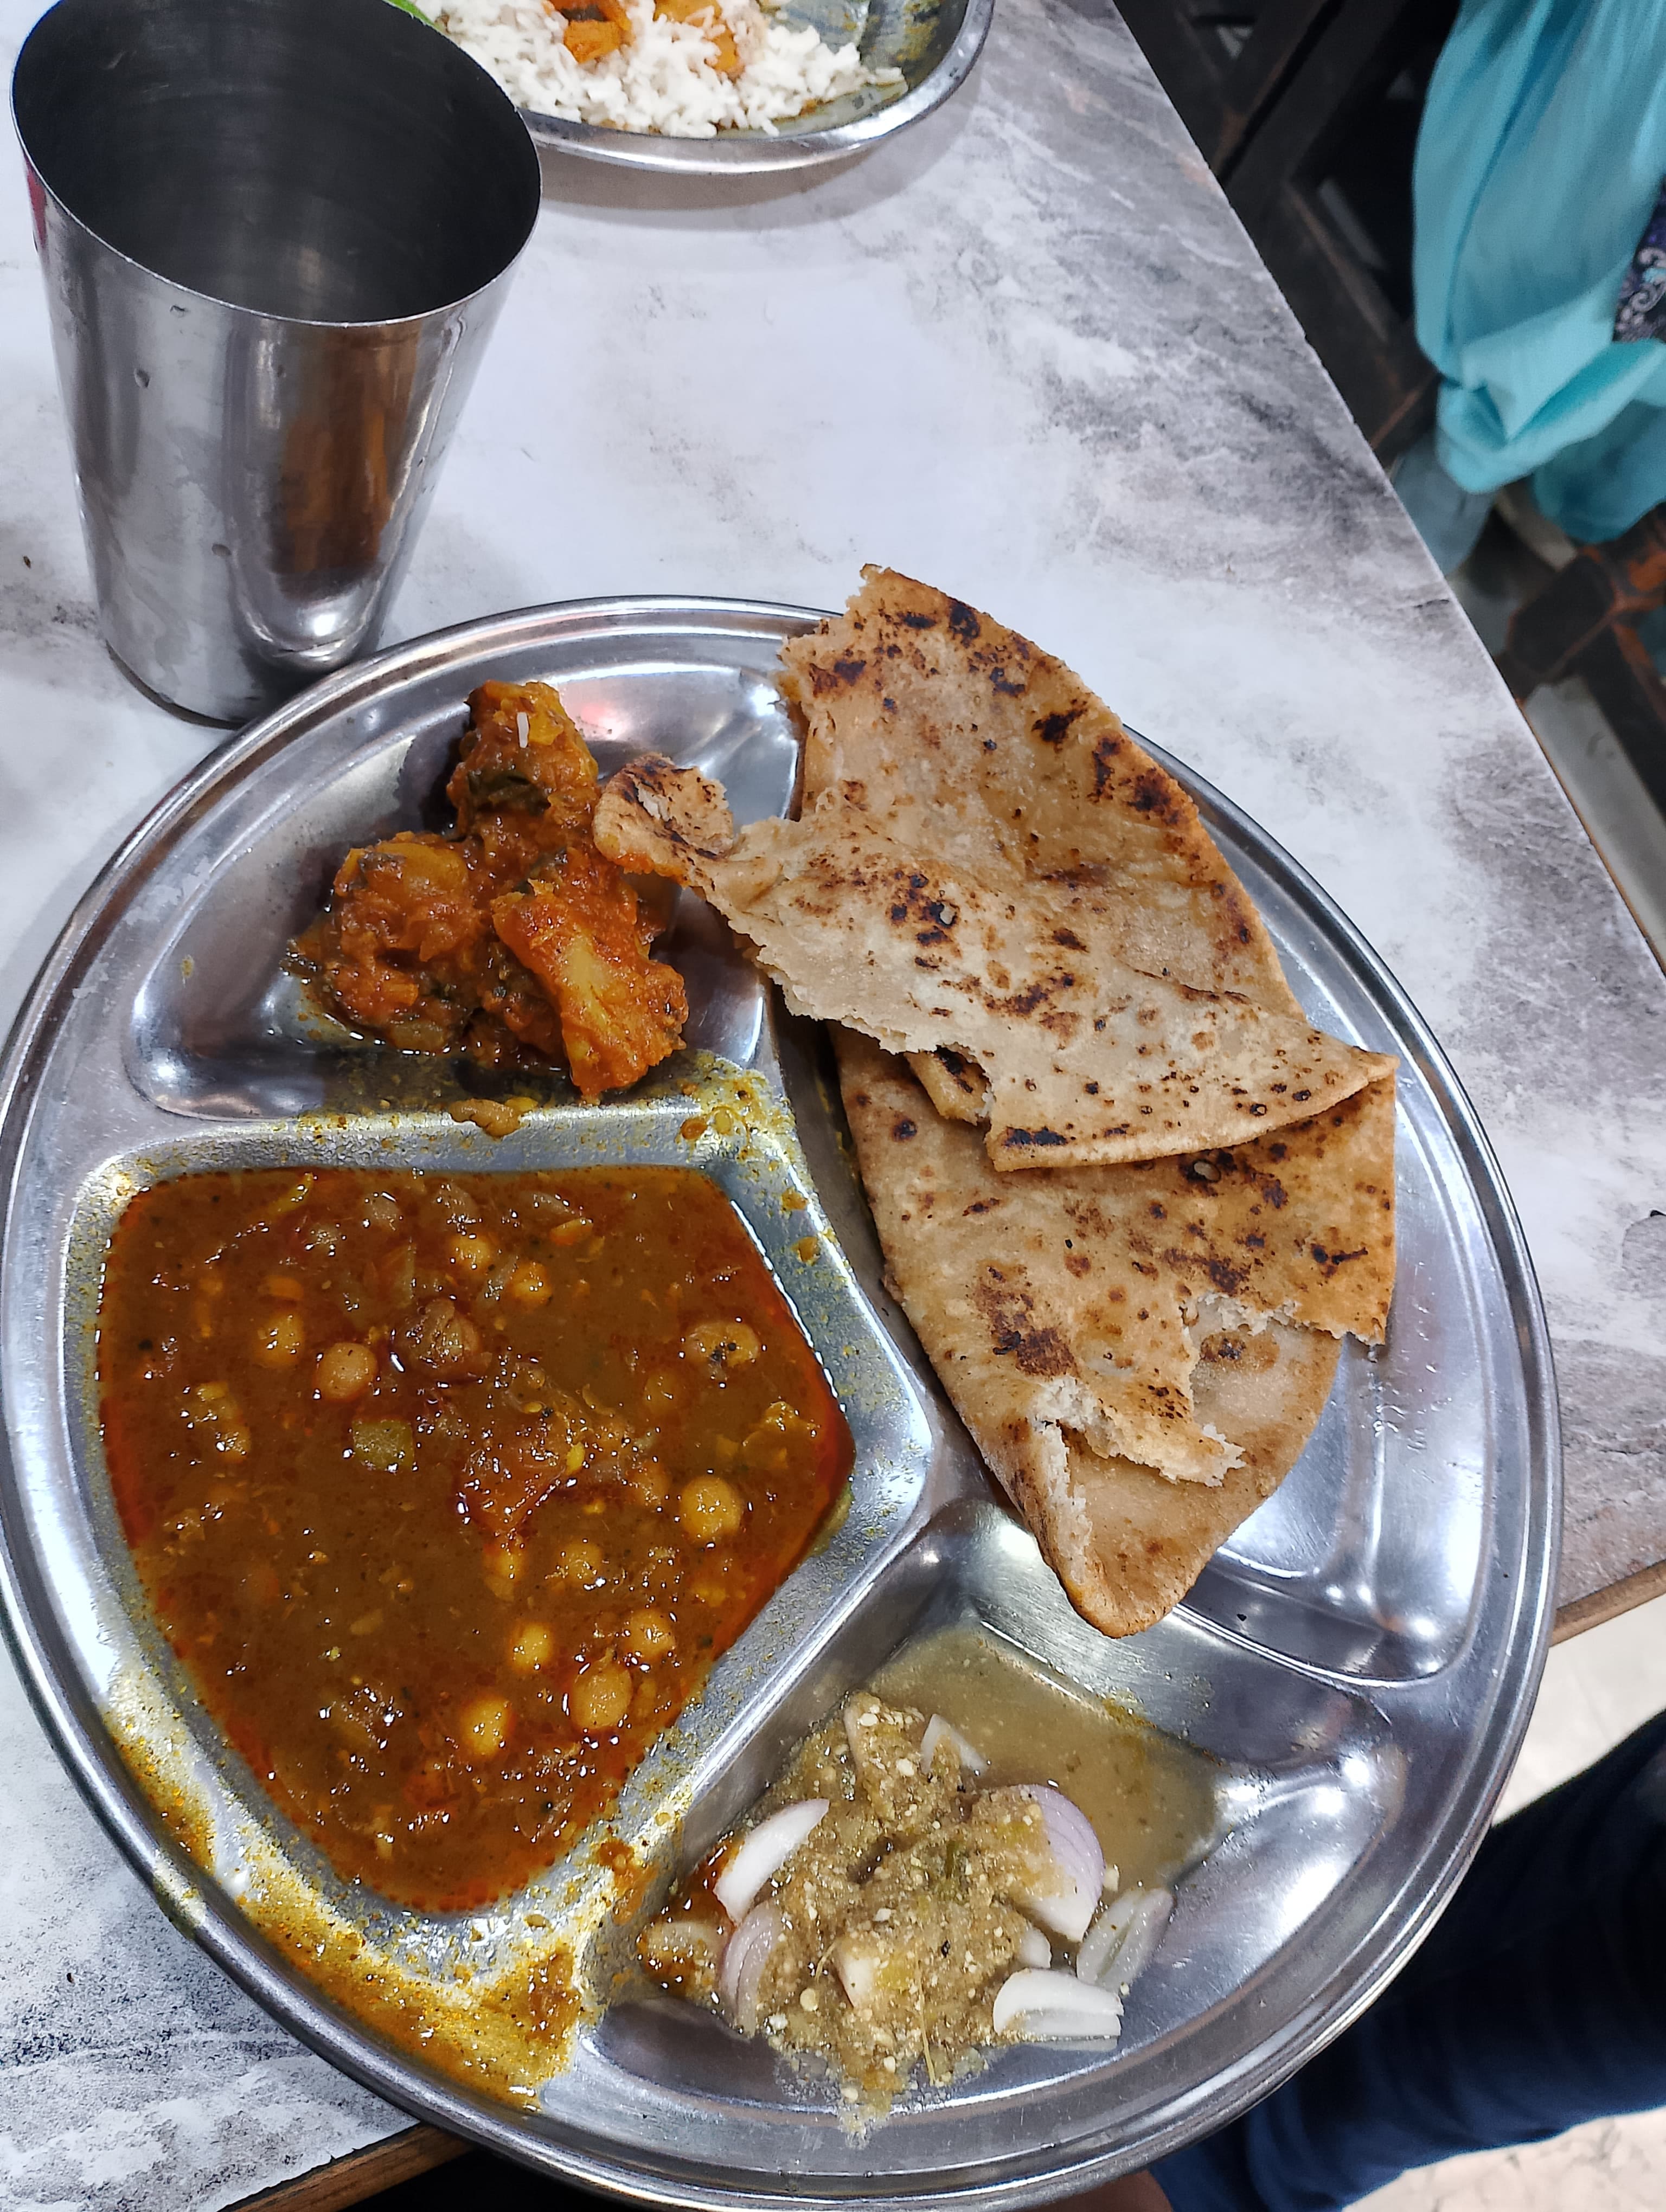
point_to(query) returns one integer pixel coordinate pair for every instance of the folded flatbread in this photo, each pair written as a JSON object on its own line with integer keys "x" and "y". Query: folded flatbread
{"x": 956, "y": 737}
{"x": 1044, "y": 1335}
{"x": 1083, "y": 1060}
{"x": 1140, "y": 1341}
{"x": 1087, "y": 1291}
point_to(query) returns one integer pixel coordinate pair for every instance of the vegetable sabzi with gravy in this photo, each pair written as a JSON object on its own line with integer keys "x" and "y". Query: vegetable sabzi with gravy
{"x": 510, "y": 940}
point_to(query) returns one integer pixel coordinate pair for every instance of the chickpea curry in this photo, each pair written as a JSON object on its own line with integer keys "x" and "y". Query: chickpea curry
{"x": 511, "y": 940}
{"x": 447, "y": 1491}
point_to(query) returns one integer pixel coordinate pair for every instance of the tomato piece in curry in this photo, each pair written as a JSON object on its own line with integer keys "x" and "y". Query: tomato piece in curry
{"x": 447, "y": 1491}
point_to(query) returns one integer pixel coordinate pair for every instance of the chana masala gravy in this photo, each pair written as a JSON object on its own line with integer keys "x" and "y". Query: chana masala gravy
{"x": 448, "y": 1490}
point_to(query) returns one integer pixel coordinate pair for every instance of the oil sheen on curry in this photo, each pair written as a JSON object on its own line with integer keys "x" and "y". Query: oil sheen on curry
{"x": 447, "y": 1491}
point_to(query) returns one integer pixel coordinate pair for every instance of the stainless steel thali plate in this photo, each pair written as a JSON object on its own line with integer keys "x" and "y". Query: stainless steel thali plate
{"x": 933, "y": 43}
{"x": 1359, "y": 1661}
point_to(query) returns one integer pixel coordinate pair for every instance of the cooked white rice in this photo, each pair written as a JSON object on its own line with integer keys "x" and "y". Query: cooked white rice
{"x": 663, "y": 80}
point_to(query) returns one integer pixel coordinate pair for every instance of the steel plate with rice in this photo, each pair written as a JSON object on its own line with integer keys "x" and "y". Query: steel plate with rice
{"x": 812, "y": 81}
{"x": 1343, "y": 1691}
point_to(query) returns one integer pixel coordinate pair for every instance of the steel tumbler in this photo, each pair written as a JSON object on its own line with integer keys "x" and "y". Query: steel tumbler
{"x": 276, "y": 235}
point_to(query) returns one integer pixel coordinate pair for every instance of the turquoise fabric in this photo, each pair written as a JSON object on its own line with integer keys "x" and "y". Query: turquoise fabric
{"x": 1540, "y": 160}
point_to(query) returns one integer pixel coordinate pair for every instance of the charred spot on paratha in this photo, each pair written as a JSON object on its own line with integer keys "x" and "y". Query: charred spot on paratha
{"x": 1053, "y": 729}
{"x": 1035, "y": 1348}
{"x": 1250, "y": 1354}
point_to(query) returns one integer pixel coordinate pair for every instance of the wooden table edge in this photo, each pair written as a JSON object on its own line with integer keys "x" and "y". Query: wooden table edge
{"x": 361, "y": 2174}
{"x": 1609, "y": 1604}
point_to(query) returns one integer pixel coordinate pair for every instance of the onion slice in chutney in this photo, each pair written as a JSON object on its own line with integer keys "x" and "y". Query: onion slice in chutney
{"x": 857, "y": 1961}
{"x": 765, "y": 1851}
{"x": 939, "y": 1731}
{"x": 1034, "y": 1949}
{"x": 744, "y": 1957}
{"x": 1068, "y": 1885}
{"x": 1046, "y": 2006}
{"x": 1124, "y": 1939}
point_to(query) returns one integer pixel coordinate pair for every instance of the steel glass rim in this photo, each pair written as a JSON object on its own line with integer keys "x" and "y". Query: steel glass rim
{"x": 78, "y": 1732}
{"x": 396, "y": 323}
{"x": 40, "y": 182}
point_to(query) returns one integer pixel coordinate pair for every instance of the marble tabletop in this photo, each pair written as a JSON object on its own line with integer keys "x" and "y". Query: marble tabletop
{"x": 1025, "y": 351}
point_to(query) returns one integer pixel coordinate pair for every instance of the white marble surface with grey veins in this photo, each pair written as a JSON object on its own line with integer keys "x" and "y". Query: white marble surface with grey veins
{"x": 1027, "y": 353}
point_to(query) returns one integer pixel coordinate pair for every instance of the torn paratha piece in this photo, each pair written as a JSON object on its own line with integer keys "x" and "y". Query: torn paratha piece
{"x": 1083, "y": 1061}
{"x": 1028, "y": 1329}
{"x": 942, "y": 724}
{"x": 1296, "y": 1226}
{"x": 1081, "y": 1295}
{"x": 958, "y": 736}
{"x": 1128, "y": 1546}
{"x": 1047, "y": 1330}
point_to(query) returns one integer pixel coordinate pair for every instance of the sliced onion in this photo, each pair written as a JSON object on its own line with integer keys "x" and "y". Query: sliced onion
{"x": 1102, "y": 1940}
{"x": 937, "y": 1730}
{"x": 673, "y": 1945}
{"x": 1034, "y": 1949}
{"x": 745, "y": 1955}
{"x": 1063, "y": 1899}
{"x": 1145, "y": 1933}
{"x": 1047, "y": 2006}
{"x": 1122, "y": 1909}
{"x": 854, "y": 1734}
{"x": 856, "y": 1964}
{"x": 765, "y": 1851}
{"x": 1122, "y": 1942}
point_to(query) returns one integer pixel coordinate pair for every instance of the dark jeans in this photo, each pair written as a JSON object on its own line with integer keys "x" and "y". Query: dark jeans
{"x": 1538, "y": 2001}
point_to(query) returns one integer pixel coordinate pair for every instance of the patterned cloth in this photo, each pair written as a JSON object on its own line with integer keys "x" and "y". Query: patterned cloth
{"x": 1642, "y": 310}
{"x": 1539, "y": 162}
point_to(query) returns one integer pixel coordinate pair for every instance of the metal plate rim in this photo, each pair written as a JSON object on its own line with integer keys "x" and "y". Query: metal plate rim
{"x": 88, "y": 1753}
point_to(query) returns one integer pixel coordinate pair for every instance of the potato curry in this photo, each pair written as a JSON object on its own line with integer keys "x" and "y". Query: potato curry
{"x": 511, "y": 938}
{"x": 447, "y": 1491}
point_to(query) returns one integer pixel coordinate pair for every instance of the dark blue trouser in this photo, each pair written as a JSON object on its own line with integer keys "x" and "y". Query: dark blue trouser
{"x": 1538, "y": 2001}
